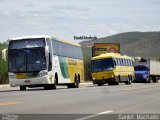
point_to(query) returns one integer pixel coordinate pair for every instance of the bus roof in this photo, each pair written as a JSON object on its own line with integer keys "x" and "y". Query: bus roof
{"x": 109, "y": 55}
{"x": 43, "y": 36}
{"x": 29, "y": 37}
{"x": 65, "y": 41}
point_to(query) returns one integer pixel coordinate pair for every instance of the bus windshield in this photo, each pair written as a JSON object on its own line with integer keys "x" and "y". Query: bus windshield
{"x": 27, "y": 59}
{"x": 102, "y": 65}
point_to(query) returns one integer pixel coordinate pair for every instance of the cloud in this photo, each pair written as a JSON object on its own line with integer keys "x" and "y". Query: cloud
{"x": 103, "y": 30}
{"x": 83, "y": 17}
{"x": 68, "y": 18}
{"x": 29, "y": 5}
{"x": 69, "y": 8}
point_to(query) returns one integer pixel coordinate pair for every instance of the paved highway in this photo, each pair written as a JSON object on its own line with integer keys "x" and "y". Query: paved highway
{"x": 88, "y": 99}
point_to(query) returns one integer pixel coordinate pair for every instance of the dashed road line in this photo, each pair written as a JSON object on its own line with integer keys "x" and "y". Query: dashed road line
{"x": 95, "y": 115}
{"x": 9, "y": 103}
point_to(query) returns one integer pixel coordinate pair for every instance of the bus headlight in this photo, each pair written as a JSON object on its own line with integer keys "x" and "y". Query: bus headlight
{"x": 113, "y": 76}
{"x": 42, "y": 74}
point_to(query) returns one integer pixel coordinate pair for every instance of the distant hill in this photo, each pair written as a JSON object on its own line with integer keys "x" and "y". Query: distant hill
{"x": 144, "y": 44}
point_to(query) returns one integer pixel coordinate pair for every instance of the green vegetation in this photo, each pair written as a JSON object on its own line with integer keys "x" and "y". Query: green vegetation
{"x": 143, "y": 44}
{"x": 87, "y": 65}
{"x": 3, "y": 66}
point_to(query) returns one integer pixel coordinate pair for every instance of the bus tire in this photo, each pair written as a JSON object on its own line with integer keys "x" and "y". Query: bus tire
{"x": 79, "y": 78}
{"x": 99, "y": 84}
{"x": 76, "y": 82}
{"x": 22, "y": 88}
{"x": 54, "y": 86}
{"x": 47, "y": 87}
{"x": 128, "y": 80}
{"x": 117, "y": 80}
{"x": 94, "y": 82}
{"x": 110, "y": 83}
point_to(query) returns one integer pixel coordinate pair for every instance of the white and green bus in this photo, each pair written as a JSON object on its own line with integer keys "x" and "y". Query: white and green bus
{"x": 44, "y": 61}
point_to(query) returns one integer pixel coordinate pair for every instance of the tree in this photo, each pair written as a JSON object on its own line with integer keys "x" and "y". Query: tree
{"x": 3, "y": 66}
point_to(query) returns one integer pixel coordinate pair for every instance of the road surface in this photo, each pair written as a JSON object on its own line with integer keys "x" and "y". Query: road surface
{"x": 89, "y": 99}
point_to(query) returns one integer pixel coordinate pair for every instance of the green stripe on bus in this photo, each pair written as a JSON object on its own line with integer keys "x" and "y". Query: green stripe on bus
{"x": 63, "y": 66}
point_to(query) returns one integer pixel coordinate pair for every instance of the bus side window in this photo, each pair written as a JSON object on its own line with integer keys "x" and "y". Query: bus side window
{"x": 130, "y": 64}
{"x": 115, "y": 61}
{"x": 130, "y": 61}
{"x": 118, "y": 61}
{"x": 123, "y": 62}
{"x": 127, "y": 62}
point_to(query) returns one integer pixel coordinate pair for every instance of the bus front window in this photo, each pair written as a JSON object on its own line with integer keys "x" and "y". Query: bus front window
{"x": 102, "y": 65}
{"x": 27, "y": 60}
{"x": 16, "y": 60}
{"x": 108, "y": 64}
{"x": 96, "y": 65}
{"x": 35, "y": 60}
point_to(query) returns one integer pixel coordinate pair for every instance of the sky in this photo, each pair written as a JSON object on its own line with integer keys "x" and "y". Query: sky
{"x": 69, "y": 18}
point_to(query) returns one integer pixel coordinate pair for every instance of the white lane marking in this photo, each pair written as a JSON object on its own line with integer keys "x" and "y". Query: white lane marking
{"x": 95, "y": 115}
{"x": 9, "y": 103}
{"x": 105, "y": 112}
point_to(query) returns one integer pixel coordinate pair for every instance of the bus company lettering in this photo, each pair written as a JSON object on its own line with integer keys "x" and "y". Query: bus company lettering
{"x": 72, "y": 62}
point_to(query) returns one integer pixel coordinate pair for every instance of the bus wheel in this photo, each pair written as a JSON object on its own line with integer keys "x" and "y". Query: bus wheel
{"x": 117, "y": 80}
{"x": 76, "y": 82}
{"x": 110, "y": 83}
{"x": 100, "y": 84}
{"x": 47, "y": 87}
{"x": 94, "y": 82}
{"x": 54, "y": 86}
{"x": 22, "y": 88}
{"x": 128, "y": 80}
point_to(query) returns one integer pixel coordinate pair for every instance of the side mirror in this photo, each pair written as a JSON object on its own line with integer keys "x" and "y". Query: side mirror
{"x": 46, "y": 51}
{"x": 4, "y": 54}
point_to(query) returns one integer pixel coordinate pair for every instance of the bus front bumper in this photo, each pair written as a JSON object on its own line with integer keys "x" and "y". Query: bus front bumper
{"x": 95, "y": 81}
{"x": 29, "y": 82}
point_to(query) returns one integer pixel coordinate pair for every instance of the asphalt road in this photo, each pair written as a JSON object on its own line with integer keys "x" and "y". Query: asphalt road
{"x": 89, "y": 99}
